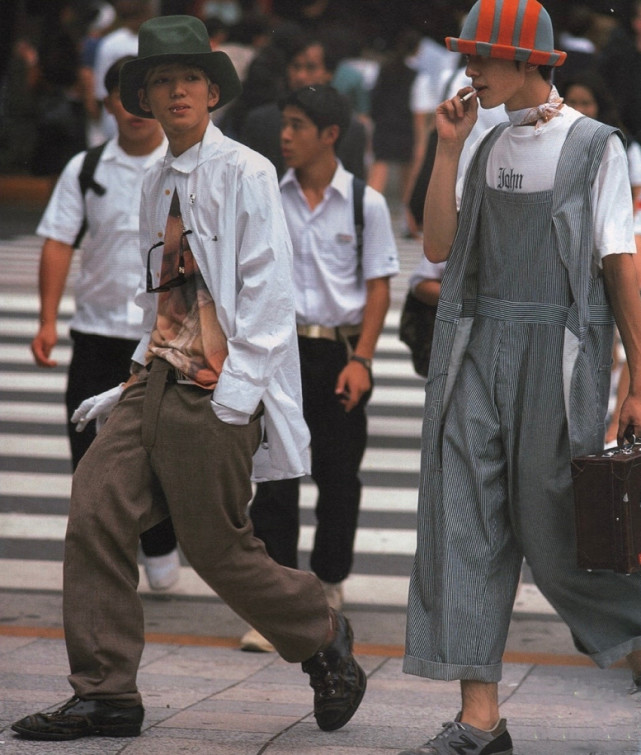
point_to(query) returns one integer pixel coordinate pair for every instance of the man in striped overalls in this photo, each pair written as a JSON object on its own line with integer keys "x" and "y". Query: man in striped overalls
{"x": 538, "y": 239}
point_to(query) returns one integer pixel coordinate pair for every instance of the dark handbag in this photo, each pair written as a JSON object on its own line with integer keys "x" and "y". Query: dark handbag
{"x": 607, "y": 507}
{"x": 417, "y": 330}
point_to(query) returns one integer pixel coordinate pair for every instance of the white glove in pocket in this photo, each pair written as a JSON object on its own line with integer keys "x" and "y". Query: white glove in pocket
{"x": 97, "y": 407}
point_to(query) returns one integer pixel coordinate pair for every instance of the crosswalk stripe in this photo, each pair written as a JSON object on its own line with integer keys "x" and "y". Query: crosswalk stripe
{"x": 49, "y": 382}
{"x": 38, "y": 382}
{"x": 34, "y": 446}
{"x": 15, "y": 353}
{"x": 21, "y": 325}
{"x": 30, "y": 303}
{"x": 30, "y": 485}
{"x": 45, "y": 447}
{"x": 360, "y": 589}
{"x": 53, "y": 412}
{"x": 20, "y": 354}
{"x": 395, "y": 427}
{"x": 53, "y": 527}
{"x": 33, "y": 526}
{"x": 58, "y": 486}
{"x": 49, "y": 413}
{"x": 24, "y": 327}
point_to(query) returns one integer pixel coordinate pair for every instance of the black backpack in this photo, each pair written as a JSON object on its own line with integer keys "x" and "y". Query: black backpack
{"x": 87, "y": 181}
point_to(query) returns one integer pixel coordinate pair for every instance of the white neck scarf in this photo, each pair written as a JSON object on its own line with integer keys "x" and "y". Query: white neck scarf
{"x": 539, "y": 115}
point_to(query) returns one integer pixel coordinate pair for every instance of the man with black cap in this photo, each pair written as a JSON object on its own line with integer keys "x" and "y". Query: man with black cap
{"x": 538, "y": 239}
{"x": 214, "y": 390}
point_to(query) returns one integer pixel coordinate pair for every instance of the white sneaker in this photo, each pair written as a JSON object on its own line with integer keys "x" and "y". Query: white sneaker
{"x": 334, "y": 594}
{"x": 254, "y": 642}
{"x": 162, "y": 571}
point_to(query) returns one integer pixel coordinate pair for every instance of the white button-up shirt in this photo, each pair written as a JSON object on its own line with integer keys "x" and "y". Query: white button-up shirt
{"x": 329, "y": 283}
{"x": 110, "y": 262}
{"x": 229, "y": 199}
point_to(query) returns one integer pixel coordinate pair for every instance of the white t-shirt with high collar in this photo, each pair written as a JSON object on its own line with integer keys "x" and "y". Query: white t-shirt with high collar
{"x": 522, "y": 161}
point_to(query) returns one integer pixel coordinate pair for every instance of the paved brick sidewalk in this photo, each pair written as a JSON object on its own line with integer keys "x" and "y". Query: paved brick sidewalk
{"x": 221, "y": 701}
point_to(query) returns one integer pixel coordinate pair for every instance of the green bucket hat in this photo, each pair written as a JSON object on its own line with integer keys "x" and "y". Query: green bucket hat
{"x": 176, "y": 39}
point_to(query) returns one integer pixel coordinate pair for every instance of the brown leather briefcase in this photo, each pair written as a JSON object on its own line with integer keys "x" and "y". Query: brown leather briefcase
{"x": 607, "y": 504}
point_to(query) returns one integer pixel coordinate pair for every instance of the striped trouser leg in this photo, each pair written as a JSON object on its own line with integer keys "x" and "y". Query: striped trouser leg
{"x": 468, "y": 570}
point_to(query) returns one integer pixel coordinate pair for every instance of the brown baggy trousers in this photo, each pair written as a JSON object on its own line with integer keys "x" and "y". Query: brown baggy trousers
{"x": 163, "y": 452}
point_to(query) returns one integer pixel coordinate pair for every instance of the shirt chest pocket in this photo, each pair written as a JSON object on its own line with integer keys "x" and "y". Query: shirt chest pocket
{"x": 115, "y": 210}
{"x": 339, "y": 253}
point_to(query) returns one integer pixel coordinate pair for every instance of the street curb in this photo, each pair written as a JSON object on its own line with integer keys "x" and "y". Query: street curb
{"x": 362, "y": 648}
{"x": 29, "y": 190}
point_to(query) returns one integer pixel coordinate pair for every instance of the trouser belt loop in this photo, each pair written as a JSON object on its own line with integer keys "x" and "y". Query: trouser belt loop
{"x": 342, "y": 337}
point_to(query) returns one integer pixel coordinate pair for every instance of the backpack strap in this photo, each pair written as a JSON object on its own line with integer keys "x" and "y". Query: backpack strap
{"x": 358, "y": 192}
{"x": 87, "y": 181}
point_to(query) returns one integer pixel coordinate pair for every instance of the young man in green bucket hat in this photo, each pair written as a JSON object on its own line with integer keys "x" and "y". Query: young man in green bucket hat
{"x": 538, "y": 239}
{"x": 214, "y": 399}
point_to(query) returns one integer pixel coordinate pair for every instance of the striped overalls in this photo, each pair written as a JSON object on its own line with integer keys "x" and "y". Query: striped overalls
{"x": 497, "y": 441}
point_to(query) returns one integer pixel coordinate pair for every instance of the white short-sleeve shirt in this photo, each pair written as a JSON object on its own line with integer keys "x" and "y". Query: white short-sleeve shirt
{"x": 329, "y": 285}
{"x": 110, "y": 269}
{"x": 426, "y": 270}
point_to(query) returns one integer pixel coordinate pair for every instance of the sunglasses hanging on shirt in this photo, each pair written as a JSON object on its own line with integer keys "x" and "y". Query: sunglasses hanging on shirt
{"x": 178, "y": 279}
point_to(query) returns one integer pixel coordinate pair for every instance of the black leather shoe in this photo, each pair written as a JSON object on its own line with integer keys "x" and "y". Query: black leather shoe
{"x": 82, "y": 718}
{"x": 337, "y": 680}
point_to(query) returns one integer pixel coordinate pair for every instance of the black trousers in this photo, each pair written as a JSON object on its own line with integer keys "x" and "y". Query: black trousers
{"x": 338, "y": 442}
{"x": 98, "y": 363}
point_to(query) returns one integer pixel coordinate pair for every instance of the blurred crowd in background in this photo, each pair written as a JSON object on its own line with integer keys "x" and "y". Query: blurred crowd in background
{"x": 387, "y": 56}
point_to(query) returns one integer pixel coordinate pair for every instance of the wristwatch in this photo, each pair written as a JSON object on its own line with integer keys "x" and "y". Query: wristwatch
{"x": 367, "y": 363}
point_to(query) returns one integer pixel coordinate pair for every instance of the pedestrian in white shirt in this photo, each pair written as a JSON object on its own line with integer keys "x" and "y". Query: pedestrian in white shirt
{"x": 217, "y": 383}
{"x": 106, "y": 325}
{"x": 342, "y": 297}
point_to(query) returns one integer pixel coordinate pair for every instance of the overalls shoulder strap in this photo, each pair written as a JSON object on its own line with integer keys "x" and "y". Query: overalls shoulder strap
{"x": 462, "y": 259}
{"x": 588, "y": 331}
{"x": 579, "y": 163}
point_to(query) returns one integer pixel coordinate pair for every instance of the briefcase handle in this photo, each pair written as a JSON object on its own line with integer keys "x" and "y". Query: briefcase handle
{"x": 626, "y": 448}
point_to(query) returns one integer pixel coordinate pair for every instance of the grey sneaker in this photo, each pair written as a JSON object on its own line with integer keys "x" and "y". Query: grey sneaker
{"x": 463, "y": 739}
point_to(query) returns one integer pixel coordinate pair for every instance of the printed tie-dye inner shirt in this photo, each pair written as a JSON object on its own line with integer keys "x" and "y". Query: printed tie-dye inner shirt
{"x": 187, "y": 333}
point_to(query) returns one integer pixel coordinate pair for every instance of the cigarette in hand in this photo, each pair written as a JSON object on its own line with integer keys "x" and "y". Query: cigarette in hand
{"x": 467, "y": 96}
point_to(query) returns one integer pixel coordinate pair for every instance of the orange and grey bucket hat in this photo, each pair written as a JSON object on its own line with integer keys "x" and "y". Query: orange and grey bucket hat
{"x": 508, "y": 29}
